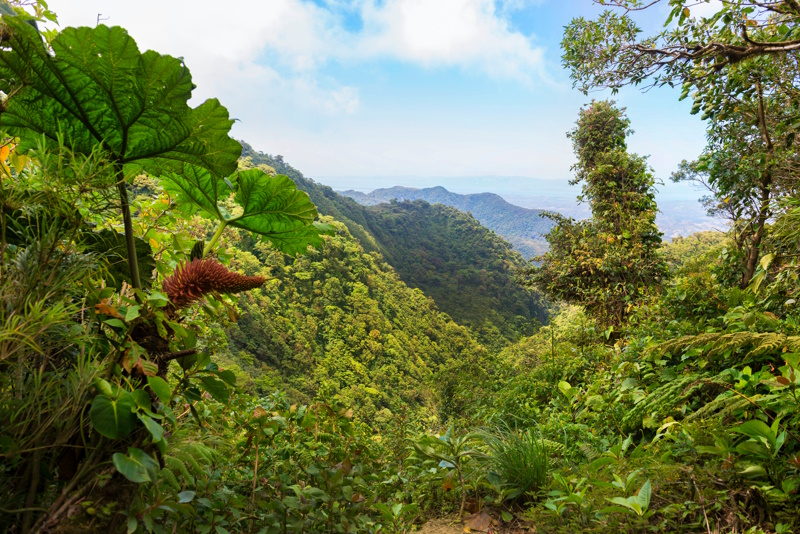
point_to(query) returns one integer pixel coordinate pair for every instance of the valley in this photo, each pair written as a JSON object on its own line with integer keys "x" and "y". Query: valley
{"x": 196, "y": 336}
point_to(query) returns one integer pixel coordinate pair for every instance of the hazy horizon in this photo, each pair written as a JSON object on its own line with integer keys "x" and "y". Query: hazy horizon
{"x": 505, "y": 186}
{"x": 680, "y": 213}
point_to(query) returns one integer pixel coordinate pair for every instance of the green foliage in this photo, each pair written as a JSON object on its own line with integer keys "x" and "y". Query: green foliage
{"x": 610, "y": 262}
{"x": 612, "y": 51}
{"x": 269, "y": 206}
{"x": 673, "y": 410}
{"x": 81, "y": 346}
{"x": 638, "y": 504}
{"x": 339, "y": 324}
{"x": 98, "y": 89}
{"x": 452, "y": 451}
{"x": 518, "y": 462}
{"x": 468, "y": 271}
{"x": 522, "y": 227}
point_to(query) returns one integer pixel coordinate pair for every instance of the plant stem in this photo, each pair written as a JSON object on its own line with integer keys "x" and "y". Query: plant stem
{"x": 463, "y": 489}
{"x": 210, "y": 245}
{"x": 255, "y": 479}
{"x": 27, "y": 515}
{"x": 133, "y": 263}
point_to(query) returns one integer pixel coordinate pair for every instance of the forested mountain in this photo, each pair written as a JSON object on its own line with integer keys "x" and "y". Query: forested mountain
{"x": 468, "y": 270}
{"x": 522, "y": 227}
{"x": 339, "y": 323}
{"x": 186, "y": 345}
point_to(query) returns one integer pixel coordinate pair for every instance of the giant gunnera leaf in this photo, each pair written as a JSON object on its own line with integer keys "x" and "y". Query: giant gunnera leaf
{"x": 270, "y": 206}
{"x": 95, "y": 87}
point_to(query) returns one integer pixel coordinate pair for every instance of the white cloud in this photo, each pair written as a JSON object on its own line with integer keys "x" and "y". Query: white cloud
{"x": 301, "y": 36}
{"x": 256, "y": 54}
{"x": 224, "y": 46}
{"x": 705, "y": 8}
{"x": 466, "y": 33}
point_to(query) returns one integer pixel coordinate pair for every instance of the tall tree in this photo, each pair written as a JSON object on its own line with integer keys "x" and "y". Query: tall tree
{"x": 609, "y": 262}
{"x": 612, "y": 52}
{"x": 740, "y": 66}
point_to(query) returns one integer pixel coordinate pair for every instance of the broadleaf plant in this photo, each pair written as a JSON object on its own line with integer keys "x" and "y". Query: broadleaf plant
{"x": 95, "y": 87}
{"x": 270, "y": 206}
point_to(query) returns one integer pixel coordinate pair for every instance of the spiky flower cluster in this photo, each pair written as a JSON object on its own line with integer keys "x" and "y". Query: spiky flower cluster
{"x": 192, "y": 281}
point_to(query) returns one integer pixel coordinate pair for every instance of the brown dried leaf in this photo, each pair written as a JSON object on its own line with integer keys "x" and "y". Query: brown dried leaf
{"x": 480, "y": 522}
{"x": 347, "y": 466}
{"x": 105, "y": 308}
{"x": 447, "y": 483}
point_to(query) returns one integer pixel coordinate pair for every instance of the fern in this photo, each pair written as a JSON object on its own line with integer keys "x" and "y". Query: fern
{"x": 178, "y": 467}
{"x": 589, "y": 451}
{"x": 553, "y": 446}
{"x": 722, "y": 406}
{"x": 187, "y": 459}
{"x": 717, "y": 343}
{"x": 660, "y": 402}
{"x": 168, "y": 477}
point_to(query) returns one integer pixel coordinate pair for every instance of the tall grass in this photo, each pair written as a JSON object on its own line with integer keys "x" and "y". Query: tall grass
{"x": 519, "y": 459}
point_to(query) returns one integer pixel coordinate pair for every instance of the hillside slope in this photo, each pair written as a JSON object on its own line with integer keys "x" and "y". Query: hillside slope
{"x": 522, "y": 227}
{"x": 467, "y": 269}
{"x": 338, "y": 323}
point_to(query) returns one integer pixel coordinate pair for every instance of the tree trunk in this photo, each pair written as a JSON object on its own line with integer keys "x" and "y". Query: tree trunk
{"x": 765, "y": 187}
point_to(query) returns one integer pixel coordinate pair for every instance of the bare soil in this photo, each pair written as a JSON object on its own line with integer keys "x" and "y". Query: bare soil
{"x": 451, "y": 525}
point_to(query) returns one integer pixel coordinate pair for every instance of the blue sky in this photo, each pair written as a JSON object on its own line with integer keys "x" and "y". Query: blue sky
{"x": 386, "y": 92}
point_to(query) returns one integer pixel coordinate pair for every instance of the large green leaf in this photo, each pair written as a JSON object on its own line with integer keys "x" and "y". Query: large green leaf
{"x": 110, "y": 245}
{"x": 270, "y": 206}
{"x": 643, "y": 497}
{"x": 98, "y": 88}
{"x": 274, "y": 208}
{"x": 195, "y": 187}
{"x": 216, "y": 388}
{"x": 113, "y": 418}
{"x": 137, "y": 467}
{"x": 759, "y": 431}
{"x": 160, "y": 388}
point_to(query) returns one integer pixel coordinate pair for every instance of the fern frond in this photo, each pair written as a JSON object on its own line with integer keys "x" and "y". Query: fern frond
{"x": 660, "y": 402}
{"x": 725, "y": 404}
{"x": 589, "y": 451}
{"x": 553, "y": 446}
{"x": 178, "y": 467}
{"x": 168, "y": 477}
{"x": 758, "y": 343}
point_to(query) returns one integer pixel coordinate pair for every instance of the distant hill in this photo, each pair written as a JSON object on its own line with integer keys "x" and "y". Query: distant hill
{"x": 522, "y": 227}
{"x": 467, "y": 269}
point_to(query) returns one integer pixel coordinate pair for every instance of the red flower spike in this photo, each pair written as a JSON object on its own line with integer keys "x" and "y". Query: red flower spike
{"x": 192, "y": 281}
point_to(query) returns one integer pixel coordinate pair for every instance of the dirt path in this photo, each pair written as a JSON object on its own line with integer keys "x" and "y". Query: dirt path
{"x": 479, "y": 522}
{"x": 447, "y": 525}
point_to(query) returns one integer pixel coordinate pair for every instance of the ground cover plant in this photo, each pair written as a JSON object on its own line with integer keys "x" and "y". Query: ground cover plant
{"x": 186, "y": 346}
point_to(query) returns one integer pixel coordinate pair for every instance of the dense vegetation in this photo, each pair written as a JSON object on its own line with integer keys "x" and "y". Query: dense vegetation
{"x": 331, "y": 397}
{"x": 522, "y": 227}
{"x": 338, "y": 324}
{"x": 468, "y": 271}
{"x": 609, "y": 262}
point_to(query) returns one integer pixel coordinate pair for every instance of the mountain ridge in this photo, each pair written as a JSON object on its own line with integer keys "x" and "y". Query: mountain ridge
{"x": 524, "y": 228}
{"x": 466, "y": 268}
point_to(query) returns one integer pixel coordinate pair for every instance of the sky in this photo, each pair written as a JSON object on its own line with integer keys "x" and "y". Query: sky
{"x": 375, "y": 93}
